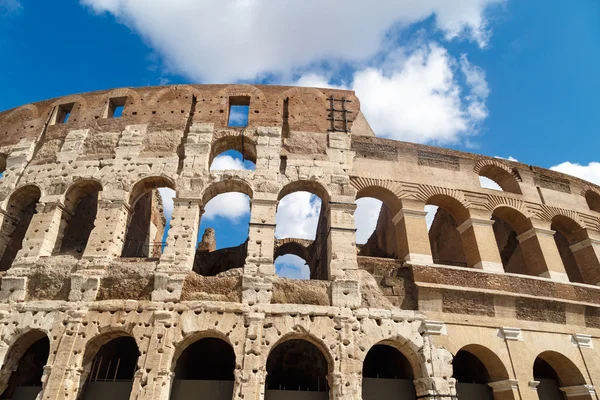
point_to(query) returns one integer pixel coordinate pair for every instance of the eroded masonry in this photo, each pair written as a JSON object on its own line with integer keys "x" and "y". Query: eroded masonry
{"x": 497, "y": 299}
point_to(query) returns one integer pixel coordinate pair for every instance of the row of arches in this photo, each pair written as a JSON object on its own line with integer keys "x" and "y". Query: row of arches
{"x": 295, "y": 367}
{"x": 517, "y": 240}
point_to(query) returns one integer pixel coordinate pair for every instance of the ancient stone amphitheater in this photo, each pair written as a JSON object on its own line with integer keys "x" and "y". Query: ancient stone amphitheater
{"x": 496, "y": 300}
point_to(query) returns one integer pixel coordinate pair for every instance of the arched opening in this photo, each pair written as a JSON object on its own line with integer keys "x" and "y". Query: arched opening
{"x": 303, "y": 214}
{"x": 206, "y": 367}
{"x": 109, "y": 372}
{"x": 447, "y": 244}
{"x": 294, "y": 258}
{"x": 147, "y": 221}
{"x": 496, "y": 178}
{"x": 224, "y": 227}
{"x": 20, "y": 210}
{"x": 581, "y": 264}
{"x": 233, "y": 153}
{"x": 474, "y": 368}
{"x": 387, "y": 375}
{"x": 593, "y": 200}
{"x": 297, "y": 369}
{"x": 81, "y": 207}
{"x": 518, "y": 257}
{"x": 26, "y": 361}
{"x": 376, "y": 234}
{"x": 554, "y": 371}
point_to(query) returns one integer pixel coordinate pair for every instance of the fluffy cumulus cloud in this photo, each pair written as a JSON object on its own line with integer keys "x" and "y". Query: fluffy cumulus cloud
{"x": 291, "y": 266}
{"x": 590, "y": 172}
{"x": 229, "y": 40}
{"x": 298, "y": 216}
{"x": 232, "y": 206}
{"x": 226, "y": 162}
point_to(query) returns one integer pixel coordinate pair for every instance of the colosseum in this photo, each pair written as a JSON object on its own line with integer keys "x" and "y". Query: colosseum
{"x": 497, "y": 298}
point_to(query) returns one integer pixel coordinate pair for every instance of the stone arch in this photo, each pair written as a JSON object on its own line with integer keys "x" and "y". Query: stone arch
{"x": 190, "y": 339}
{"x": 147, "y": 184}
{"x": 404, "y": 345}
{"x": 387, "y": 374}
{"x": 31, "y": 108}
{"x": 305, "y": 346}
{"x": 226, "y": 186}
{"x": 33, "y": 346}
{"x": 493, "y": 364}
{"x": 213, "y": 376}
{"x": 239, "y": 90}
{"x": 169, "y": 90}
{"x": 146, "y": 223}
{"x": 297, "y": 247}
{"x": 20, "y": 207}
{"x": 508, "y": 179}
{"x": 233, "y": 140}
{"x": 592, "y": 198}
{"x": 78, "y": 218}
{"x": 576, "y": 252}
{"x": 388, "y": 194}
{"x": 310, "y": 186}
{"x": 113, "y": 354}
{"x": 295, "y": 91}
{"x": 133, "y": 96}
{"x": 552, "y": 366}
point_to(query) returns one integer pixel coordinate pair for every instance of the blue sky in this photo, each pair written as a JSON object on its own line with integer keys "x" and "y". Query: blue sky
{"x": 502, "y": 78}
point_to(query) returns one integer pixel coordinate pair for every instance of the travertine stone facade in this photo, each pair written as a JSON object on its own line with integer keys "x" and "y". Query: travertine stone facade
{"x": 504, "y": 282}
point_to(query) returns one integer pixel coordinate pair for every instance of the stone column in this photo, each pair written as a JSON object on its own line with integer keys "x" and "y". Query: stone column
{"x": 411, "y": 233}
{"x": 479, "y": 244}
{"x": 107, "y": 238}
{"x": 64, "y": 380}
{"x": 250, "y": 379}
{"x": 42, "y": 233}
{"x": 343, "y": 264}
{"x": 259, "y": 269}
{"x": 507, "y": 389}
{"x": 587, "y": 255}
{"x": 197, "y": 148}
{"x": 152, "y": 380}
{"x": 541, "y": 254}
{"x": 178, "y": 258}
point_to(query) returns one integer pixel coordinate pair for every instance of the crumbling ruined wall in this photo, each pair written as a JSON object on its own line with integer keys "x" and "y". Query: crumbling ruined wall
{"x": 391, "y": 293}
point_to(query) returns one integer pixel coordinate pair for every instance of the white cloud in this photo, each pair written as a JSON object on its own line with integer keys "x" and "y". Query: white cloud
{"x": 225, "y": 41}
{"x": 167, "y": 195}
{"x": 232, "y": 206}
{"x": 298, "y": 216}
{"x": 510, "y": 158}
{"x": 226, "y": 162}
{"x": 590, "y": 172}
{"x": 415, "y": 95}
{"x": 291, "y": 266}
{"x": 487, "y": 183}
{"x": 365, "y": 216}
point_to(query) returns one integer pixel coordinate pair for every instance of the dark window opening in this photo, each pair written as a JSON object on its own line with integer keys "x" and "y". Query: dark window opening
{"x": 145, "y": 231}
{"x": 296, "y": 365}
{"x": 387, "y": 375}
{"x": 549, "y": 383}
{"x": 79, "y": 223}
{"x": 63, "y": 113}
{"x": 115, "y": 107}
{"x": 239, "y": 109}
{"x": 21, "y": 210}
{"x": 445, "y": 240}
{"x": 26, "y": 380}
{"x": 471, "y": 376}
{"x": 205, "y": 367}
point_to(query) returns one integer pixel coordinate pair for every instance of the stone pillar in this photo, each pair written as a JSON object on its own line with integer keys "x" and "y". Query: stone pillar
{"x": 268, "y": 148}
{"x": 152, "y": 380}
{"x": 42, "y": 233}
{"x": 16, "y": 162}
{"x": 344, "y": 385}
{"x": 343, "y": 264}
{"x": 507, "y": 389}
{"x": 250, "y": 379}
{"x": 587, "y": 255}
{"x": 411, "y": 233}
{"x": 197, "y": 148}
{"x": 479, "y": 244}
{"x": 64, "y": 380}
{"x": 178, "y": 258}
{"x": 107, "y": 238}
{"x": 259, "y": 270}
{"x": 541, "y": 254}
